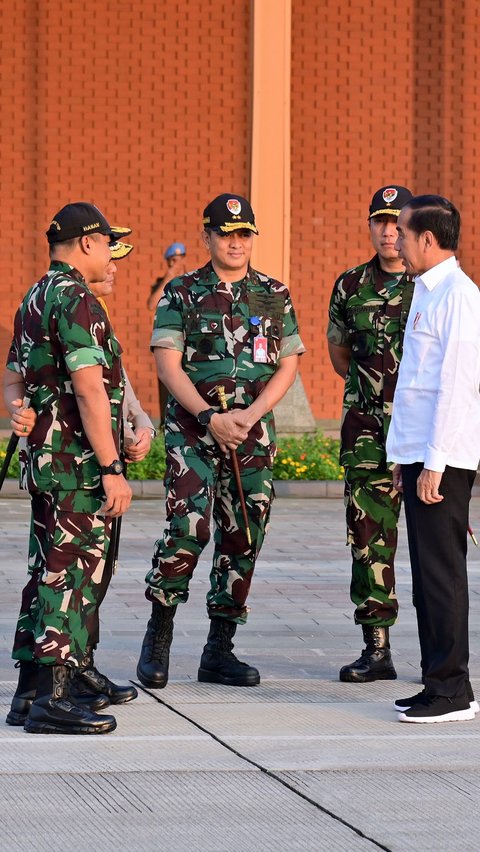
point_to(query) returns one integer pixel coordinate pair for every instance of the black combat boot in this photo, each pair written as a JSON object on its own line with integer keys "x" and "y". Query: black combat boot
{"x": 218, "y": 664}
{"x": 25, "y": 692}
{"x": 87, "y": 684}
{"x": 53, "y": 713}
{"x": 152, "y": 669}
{"x": 375, "y": 661}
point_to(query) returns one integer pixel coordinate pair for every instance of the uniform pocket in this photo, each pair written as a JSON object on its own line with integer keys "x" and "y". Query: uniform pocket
{"x": 205, "y": 340}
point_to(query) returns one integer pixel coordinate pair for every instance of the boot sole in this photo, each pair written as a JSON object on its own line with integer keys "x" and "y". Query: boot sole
{"x": 47, "y": 728}
{"x": 151, "y": 684}
{"x": 124, "y": 700}
{"x": 204, "y": 676}
{"x": 16, "y": 719}
{"x": 352, "y": 677}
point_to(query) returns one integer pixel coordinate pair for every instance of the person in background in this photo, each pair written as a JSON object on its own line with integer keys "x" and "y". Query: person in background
{"x": 175, "y": 258}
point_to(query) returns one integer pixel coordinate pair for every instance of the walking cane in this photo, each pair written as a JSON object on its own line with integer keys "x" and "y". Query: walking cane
{"x": 220, "y": 389}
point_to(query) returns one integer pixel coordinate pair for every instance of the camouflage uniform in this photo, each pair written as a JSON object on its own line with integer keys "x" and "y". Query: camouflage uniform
{"x": 59, "y": 328}
{"x": 367, "y": 314}
{"x": 211, "y": 323}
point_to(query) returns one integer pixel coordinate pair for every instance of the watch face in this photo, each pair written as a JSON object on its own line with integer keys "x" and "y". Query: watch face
{"x": 205, "y": 416}
{"x": 115, "y": 468}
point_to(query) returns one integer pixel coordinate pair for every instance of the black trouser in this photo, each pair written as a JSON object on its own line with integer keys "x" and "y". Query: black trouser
{"x": 437, "y": 541}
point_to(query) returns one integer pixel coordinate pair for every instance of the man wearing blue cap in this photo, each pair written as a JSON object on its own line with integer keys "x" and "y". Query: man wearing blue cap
{"x": 175, "y": 257}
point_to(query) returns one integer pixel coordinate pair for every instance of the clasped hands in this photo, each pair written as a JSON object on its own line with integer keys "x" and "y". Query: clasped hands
{"x": 230, "y": 428}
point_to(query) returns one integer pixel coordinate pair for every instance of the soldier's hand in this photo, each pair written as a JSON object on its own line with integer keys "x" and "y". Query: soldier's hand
{"x": 23, "y": 419}
{"x": 230, "y": 428}
{"x": 136, "y": 452}
{"x": 118, "y": 495}
{"x": 397, "y": 478}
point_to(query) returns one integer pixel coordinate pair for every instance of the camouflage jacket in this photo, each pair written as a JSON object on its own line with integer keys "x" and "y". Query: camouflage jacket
{"x": 214, "y": 324}
{"x": 60, "y": 327}
{"x": 368, "y": 312}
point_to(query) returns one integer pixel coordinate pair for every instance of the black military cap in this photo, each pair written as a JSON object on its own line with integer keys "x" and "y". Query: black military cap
{"x": 228, "y": 213}
{"x": 389, "y": 200}
{"x": 80, "y": 219}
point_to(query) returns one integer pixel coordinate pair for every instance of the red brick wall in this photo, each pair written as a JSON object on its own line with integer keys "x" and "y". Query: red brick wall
{"x": 140, "y": 107}
{"x": 379, "y": 94}
{"x": 143, "y": 108}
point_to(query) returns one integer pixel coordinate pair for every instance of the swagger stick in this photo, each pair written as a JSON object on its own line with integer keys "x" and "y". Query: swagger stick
{"x": 12, "y": 446}
{"x": 472, "y": 536}
{"x": 233, "y": 458}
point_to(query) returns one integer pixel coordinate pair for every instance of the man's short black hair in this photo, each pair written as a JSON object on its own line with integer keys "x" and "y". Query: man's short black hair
{"x": 438, "y": 215}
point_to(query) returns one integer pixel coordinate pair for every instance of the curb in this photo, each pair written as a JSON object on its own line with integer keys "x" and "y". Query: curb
{"x": 153, "y": 488}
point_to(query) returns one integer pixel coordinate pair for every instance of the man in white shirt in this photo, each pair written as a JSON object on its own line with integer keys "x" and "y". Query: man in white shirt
{"x": 434, "y": 440}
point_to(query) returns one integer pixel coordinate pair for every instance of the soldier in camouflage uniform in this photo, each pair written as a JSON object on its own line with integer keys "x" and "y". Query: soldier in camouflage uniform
{"x": 224, "y": 324}
{"x": 67, "y": 359}
{"x": 367, "y": 315}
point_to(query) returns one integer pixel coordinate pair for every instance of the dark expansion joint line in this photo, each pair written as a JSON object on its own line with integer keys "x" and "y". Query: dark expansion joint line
{"x": 263, "y": 769}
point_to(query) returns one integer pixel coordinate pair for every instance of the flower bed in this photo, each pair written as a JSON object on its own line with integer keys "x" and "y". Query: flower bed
{"x": 309, "y": 457}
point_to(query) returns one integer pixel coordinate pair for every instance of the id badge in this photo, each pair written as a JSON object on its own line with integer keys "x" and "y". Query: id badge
{"x": 260, "y": 349}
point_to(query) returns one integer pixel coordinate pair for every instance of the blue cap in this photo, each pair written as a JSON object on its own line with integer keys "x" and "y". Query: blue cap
{"x": 175, "y": 249}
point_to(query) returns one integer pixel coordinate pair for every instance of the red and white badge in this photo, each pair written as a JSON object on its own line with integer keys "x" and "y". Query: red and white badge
{"x": 389, "y": 195}
{"x": 260, "y": 351}
{"x": 234, "y": 206}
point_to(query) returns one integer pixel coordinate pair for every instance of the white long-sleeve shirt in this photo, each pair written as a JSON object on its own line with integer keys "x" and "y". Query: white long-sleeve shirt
{"x": 436, "y": 408}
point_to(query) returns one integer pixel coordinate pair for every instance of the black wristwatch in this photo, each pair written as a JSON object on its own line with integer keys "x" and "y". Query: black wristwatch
{"x": 205, "y": 416}
{"x": 115, "y": 468}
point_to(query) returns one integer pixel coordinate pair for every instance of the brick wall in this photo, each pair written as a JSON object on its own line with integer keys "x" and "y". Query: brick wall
{"x": 139, "y": 107}
{"x": 143, "y": 108}
{"x": 379, "y": 95}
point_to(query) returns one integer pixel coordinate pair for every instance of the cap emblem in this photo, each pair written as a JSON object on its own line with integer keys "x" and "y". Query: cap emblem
{"x": 233, "y": 206}
{"x": 54, "y": 224}
{"x": 389, "y": 195}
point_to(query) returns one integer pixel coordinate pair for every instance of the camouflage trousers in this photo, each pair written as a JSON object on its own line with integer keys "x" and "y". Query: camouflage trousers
{"x": 68, "y": 579}
{"x": 372, "y": 509}
{"x": 201, "y": 486}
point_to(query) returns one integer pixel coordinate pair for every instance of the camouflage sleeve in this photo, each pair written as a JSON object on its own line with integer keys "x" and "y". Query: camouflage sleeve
{"x": 291, "y": 341}
{"x": 12, "y": 357}
{"x": 337, "y": 331}
{"x": 80, "y": 329}
{"x": 168, "y": 325}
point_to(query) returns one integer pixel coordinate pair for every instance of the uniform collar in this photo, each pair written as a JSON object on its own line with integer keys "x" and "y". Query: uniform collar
{"x": 60, "y": 266}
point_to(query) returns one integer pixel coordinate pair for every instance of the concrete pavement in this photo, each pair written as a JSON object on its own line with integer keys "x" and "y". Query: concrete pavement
{"x": 301, "y": 762}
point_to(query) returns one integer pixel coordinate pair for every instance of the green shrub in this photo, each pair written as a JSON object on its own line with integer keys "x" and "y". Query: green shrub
{"x": 308, "y": 457}
{"x": 153, "y": 467}
{"x": 14, "y": 466}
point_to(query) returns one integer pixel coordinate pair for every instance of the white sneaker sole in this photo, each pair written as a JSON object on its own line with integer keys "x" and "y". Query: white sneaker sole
{"x": 474, "y": 705}
{"x": 455, "y": 716}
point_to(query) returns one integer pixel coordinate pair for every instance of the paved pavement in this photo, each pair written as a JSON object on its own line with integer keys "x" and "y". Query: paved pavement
{"x": 301, "y": 762}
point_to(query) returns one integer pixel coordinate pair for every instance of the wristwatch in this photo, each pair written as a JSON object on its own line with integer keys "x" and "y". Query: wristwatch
{"x": 115, "y": 468}
{"x": 205, "y": 416}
